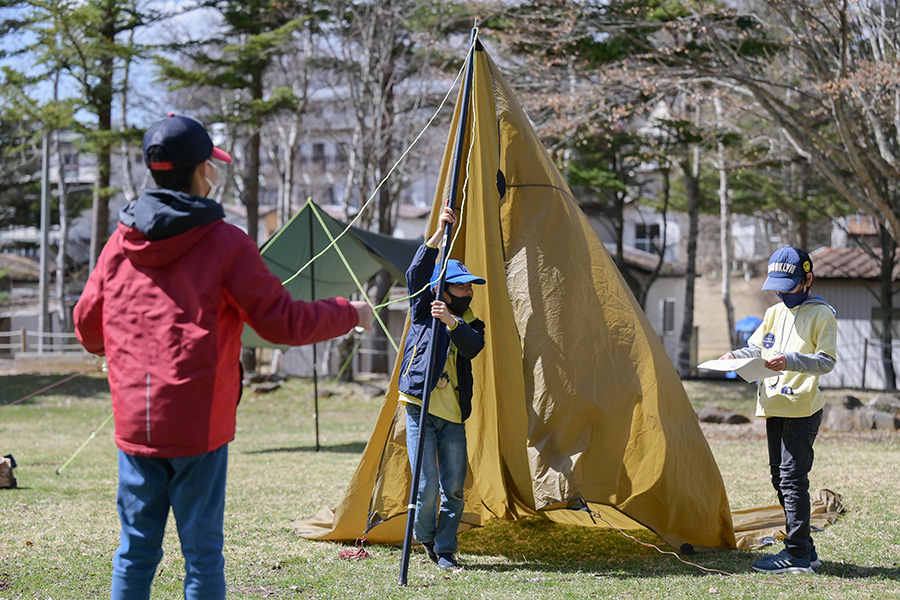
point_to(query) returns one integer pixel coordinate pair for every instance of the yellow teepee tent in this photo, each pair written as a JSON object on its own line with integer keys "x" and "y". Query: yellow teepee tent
{"x": 577, "y": 407}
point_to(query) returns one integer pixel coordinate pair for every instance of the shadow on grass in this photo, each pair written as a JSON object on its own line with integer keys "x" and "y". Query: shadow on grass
{"x": 16, "y": 387}
{"x": 850, "y": 571}
{"x": 351, "y": 448}
{"x": 540, "y": 545}
{"x": 548, "y": 546}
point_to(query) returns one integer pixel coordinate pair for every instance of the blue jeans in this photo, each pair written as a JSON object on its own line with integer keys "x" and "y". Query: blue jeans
{"x": 790, "y": 461}
{"x": 444, "y": 471}
{"x": 194, "y": 487}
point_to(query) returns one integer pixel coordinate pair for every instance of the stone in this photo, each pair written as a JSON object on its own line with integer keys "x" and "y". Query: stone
{"x": 886, "y": 402}
{"x": 266, "y": 387}
{"x": 884, "y": 421}
{"x": 717, "y": 414}
{"x": 7, "y": 479}
{"x": 851, "y": 402}
{"x": 837, "y": 417}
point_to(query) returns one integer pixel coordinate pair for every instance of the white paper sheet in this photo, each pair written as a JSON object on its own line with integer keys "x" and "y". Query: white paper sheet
{"x": 749, "y": 369}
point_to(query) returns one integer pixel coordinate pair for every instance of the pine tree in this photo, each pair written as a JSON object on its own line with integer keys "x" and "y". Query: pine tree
{"x": 235, "y": 61}
{"x": 83, "y": 41}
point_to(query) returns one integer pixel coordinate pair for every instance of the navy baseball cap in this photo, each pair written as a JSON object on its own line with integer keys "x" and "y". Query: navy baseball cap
{"x": 182, "y": 143}
{"x": 456, "y": 273}
{"x": 787, "y": 268}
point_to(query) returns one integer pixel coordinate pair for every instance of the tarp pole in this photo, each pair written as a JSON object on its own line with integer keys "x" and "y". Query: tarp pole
{"x": 429, "y": 369}
{"x": 312, "y": 293}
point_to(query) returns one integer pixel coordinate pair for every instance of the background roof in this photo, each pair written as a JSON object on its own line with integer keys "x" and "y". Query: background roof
{"x": 850, "y": 263}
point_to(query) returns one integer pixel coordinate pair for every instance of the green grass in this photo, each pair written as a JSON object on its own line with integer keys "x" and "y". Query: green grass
{"x": 58, "y": 532}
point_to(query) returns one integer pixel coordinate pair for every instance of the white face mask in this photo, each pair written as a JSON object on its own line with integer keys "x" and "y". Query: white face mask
{"x": 213, "y": 187}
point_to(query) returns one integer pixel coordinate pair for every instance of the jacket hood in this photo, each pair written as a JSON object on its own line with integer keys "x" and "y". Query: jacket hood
{"x": 160, "y": 214}
{"x": 161, "y": 225}
{"x": 818, "y": 300}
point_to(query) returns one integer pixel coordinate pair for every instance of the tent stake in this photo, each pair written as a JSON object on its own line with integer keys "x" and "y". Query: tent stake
{"x": 429, "y": 368}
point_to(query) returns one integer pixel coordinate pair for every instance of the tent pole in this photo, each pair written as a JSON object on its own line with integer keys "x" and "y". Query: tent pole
{"x": 429, "y": 369}
{"x": 312, "y": 293}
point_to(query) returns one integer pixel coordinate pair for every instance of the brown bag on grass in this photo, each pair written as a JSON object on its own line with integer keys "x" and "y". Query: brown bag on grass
{"x": 7, "y": 479}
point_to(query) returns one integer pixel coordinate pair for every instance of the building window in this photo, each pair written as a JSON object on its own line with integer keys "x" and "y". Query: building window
{"x": 666, "y": 316}
{"x": 70, "y": 166}
{"x": 318, "y": 154}
{"x": 646, "y": 237}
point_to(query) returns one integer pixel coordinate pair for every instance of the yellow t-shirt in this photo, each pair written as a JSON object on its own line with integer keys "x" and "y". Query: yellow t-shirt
{"x": 444, "y": 401}
{"x": 810, "y": 328}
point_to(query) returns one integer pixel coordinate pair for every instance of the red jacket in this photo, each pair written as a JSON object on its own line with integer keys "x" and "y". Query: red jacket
{"x": 168, "y": 314}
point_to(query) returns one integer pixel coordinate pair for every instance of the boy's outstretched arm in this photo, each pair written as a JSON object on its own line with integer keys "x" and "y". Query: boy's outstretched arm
{"x": 749, "y": 351}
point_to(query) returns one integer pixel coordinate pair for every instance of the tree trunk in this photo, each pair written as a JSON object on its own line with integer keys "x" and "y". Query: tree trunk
{"x": 345, "y": 347}
{"x": 103, "y": 101}
{"x": 352, "y": 177}
{"x": 618, "y": 220}
{"x": 380, "y": 362}
{"x": 725, "y": 226}
{"x": 62, "y": 249}
{"x": 888, "y": 261}
{"x": 251, "y": 183}
{"x": 385, "y": 198}
{"x": 128, "y": 187}
{"x": 290, "y": 155}
{"x": 692, "y": 192}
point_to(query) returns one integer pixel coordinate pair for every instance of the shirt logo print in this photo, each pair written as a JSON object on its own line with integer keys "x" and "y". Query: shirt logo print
{"x": 769, "y": 340}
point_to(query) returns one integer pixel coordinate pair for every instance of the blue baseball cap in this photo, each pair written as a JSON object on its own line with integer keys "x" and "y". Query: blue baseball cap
{"x": 456, "y": 273}
{"x": 181, "y": 142}
{"x": 787, "y": 268}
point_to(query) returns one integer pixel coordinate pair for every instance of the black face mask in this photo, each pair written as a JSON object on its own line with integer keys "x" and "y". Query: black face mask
{"x": 458, "y": 305}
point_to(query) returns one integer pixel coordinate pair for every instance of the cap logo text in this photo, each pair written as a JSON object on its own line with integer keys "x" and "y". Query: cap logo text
{"x": 782, "y": 267}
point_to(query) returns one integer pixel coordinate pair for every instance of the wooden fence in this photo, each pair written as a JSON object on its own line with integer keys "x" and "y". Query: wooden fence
{"x": 30, "y": 342}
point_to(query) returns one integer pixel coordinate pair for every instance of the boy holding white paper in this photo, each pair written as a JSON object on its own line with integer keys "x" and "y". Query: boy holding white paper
{"x": 797, "y": 337}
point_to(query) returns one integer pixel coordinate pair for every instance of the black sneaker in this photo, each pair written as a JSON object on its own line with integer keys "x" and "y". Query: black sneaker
{"x": 429, "y": 550}
{"x": 783, "y": 562}
{"x": 447, "y": 562}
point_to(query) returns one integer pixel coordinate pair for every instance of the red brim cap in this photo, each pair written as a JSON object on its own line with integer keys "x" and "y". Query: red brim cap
{"x": 220, "y": 154}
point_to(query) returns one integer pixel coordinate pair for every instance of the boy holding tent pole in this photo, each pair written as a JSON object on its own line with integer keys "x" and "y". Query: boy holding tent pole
{"x": 166, "y": 304}
{"x": 459, "y": 339}
{"x": 797, "y": 338}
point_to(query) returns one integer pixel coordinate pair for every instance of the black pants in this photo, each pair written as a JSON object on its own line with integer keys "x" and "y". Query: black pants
{"x": 790, "y": 460}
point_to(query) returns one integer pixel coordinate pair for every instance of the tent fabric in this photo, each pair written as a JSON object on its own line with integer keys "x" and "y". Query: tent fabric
{"x": 757, "y": 527}
{"x": 577, "y": 409}
{"x": 289, "y": 249}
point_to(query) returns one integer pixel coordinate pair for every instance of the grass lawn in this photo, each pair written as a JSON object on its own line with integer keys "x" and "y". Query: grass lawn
{"x": 58, "y": 532}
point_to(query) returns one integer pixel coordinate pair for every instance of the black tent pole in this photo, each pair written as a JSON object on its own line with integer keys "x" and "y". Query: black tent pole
{"x": 312, "y": 293}
{"x": 429, "y": 369}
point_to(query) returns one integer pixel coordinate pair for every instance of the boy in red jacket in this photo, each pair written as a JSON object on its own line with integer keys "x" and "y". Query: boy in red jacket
{"x": 166, "y": 305}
